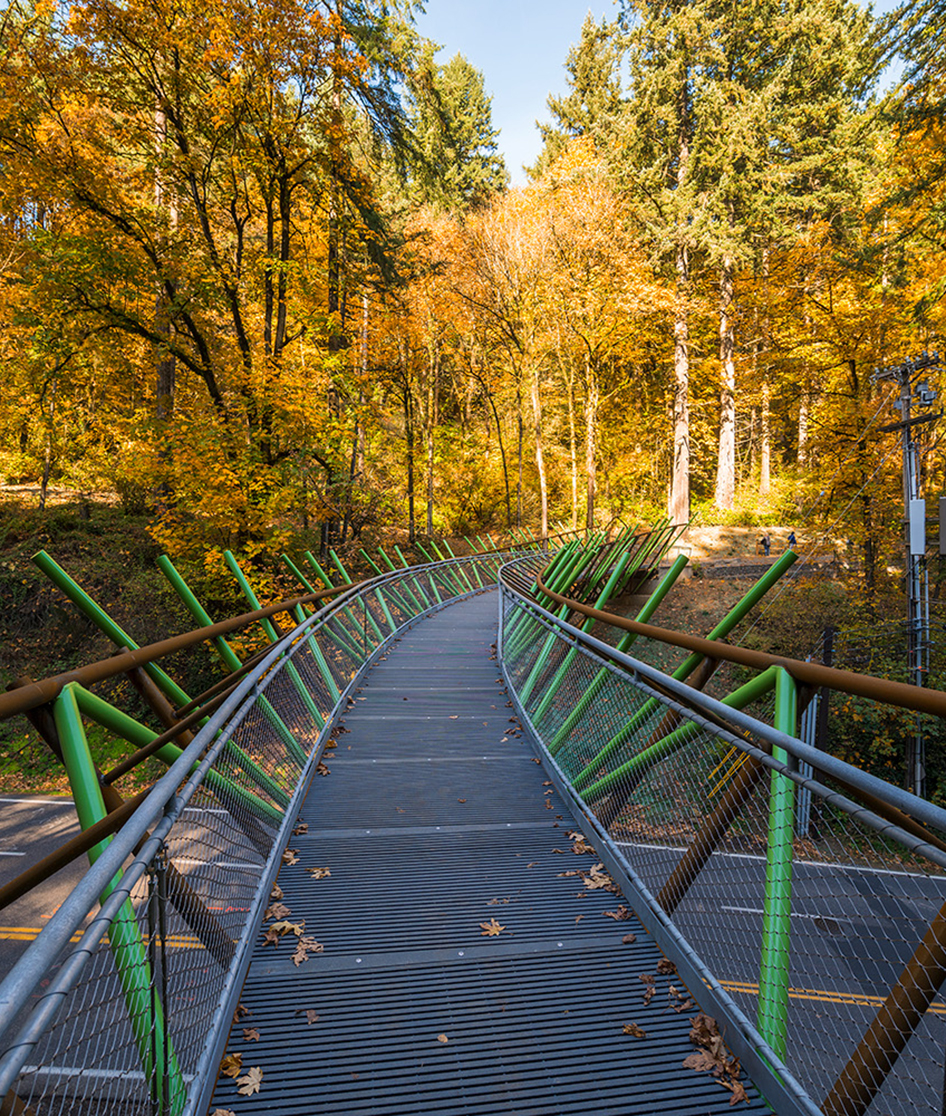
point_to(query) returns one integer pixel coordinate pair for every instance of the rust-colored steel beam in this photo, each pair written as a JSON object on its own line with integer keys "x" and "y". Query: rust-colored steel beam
{"x": 713, "y": 830}
{"x": 896, "y": 1020}
{"x": 813, "y": 674}
{"x": 34, "y": 694}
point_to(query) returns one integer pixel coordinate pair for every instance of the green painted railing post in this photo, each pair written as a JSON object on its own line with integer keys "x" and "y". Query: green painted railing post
{"x": 633, "y": 770}
{"x": 458, "y": 569}
{"x": 417, "y": 584}
{"x": 404, "y": 585}
{"x": 145, "y": 1014}
{"x": 691, "y": 662}
{"x": 384, "y": 605}
{"x": 127, "y": 728}
{"x": 272, "y": 635}
{"x": 623, "y": 644}
{"x": 356, "y": 632}
{"x": 777, "y": 904}
{"x": 473, "y": 565}
{"x": 227, "y": 654}
{"x": 334, "y": 636}
{"x": 94, "y": 612}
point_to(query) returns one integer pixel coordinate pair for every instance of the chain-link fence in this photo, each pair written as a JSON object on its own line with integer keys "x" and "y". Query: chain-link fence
{"x": 123, "y": 1008}
{"x": 814, "y": 895}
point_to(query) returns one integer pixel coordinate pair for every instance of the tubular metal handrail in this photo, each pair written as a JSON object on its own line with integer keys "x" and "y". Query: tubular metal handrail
{"x": 128, "y": 857}
{"x": 656, "y": 767}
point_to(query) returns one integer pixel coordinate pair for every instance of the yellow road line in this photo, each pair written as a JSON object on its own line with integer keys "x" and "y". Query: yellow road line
{"x": 30, "y": 933}
{"x": 823, "y": 996}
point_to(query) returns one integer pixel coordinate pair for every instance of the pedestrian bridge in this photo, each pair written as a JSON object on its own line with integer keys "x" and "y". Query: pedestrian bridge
{"x": 441, "y": 849}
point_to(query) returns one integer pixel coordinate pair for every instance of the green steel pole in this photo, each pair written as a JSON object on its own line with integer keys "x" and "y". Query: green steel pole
{"x": 348, "y": 581}
{"x": 403, "y": 584}
{"x": 457, "y": 569}
{"x": 450, "y": 583}
{"x": 272, "y": 635}
{"x": 321, "y": 662}
{"x": 145, "y": 1015}
{"x": 777, "y": 904}
{"x": 94, "y": 612}
{"x": 227, "y": 654}
{"x": 356, "y": 627}
{"x": 623, "y": 644}
{"x": 691, "y": 662}
{"x": 552, "y": 688}
{"x": 119, "y": 723}
{"x": 634, "y": 768}
{"x": 417, "y": 584}
{"x": 334, "y": 636}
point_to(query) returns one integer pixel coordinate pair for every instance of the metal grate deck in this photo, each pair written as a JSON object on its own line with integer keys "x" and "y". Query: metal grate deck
{"x": 435, "y": 818}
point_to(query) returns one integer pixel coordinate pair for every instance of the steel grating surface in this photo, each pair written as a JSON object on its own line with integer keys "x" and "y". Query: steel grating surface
{"x": 435, "y": 819}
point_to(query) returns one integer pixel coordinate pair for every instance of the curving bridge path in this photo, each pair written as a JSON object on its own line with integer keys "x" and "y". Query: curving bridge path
{"x": 470, "y": 962}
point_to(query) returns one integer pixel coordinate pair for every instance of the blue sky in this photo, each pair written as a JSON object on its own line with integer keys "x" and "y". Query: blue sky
{"x": 520, "y": 46}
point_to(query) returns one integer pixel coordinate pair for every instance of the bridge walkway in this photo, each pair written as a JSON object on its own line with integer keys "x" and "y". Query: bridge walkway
{"x": 436, "y": 823}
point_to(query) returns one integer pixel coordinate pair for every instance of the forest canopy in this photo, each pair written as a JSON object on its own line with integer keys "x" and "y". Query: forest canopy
{"x": 261, "y": 270}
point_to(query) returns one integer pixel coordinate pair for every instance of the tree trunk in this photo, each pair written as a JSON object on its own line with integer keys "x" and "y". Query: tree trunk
{"x": 539, "y": 456}
{"x": 726, "y": 463}
{"x": 572, "y": 441}
{"x": 591, "y": 430}
{"x": 765, "y": 444}
{"x": 519, "y": 455}
{"x": 679, "y": 509}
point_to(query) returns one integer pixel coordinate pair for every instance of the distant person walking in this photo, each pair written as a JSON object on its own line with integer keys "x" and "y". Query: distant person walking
{"x": 791, "y": 540}
{"x": 766, "y": 545}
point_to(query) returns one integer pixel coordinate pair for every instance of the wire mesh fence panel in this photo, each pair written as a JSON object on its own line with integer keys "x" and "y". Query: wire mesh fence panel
{"x": 127, "y": 1021}
{"x": 807, "y": 919}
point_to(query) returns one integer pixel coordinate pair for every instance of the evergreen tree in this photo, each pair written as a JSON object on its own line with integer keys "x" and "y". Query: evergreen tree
{"x": 460, "y": 165}
{"x": 594, "y": 102}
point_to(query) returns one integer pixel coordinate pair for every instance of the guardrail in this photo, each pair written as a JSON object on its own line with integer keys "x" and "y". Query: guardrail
{"x": 819, "y": 947}
{"x": 127, "y": 1009}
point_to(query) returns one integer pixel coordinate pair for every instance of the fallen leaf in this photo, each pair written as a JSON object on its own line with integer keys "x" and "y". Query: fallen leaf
{"x": 250, "y": 1083}
{"x": 240, "y": 1012}
{"x": 648, "y": 994}
{"x": 665, "y": 965}
{"x": 538, "y": 761}
{"x": 290, "y": 856}
{"x": 687, "y": 1005}
{"x": 442, "y": 1038}
{"x": 322, "y": 769}
{"x": 319, "y": 873}
{"x": 251, "y": 1034}
{"x": 562, "y": 851}
{"x": 647, "y": 978}
{"x": 532, "y": 863}
{"x": 622, "y": 914}
{"x": 461, "y": 800}
{"x": 633, "y": 1029}
{"x": 454, "y": 716}
{"x": 223, "y": 1112}
{"x": 491, "y": 928}
{"x": 629, "y": 939}
{"x": 581, "y": 846}
{"x": 231, "y": 1065}
{"x": 547, "y": 783}
{"x": 701, "y": 1062}
{"x": 302, "y": 827}
{"x": 305, "y": 946}
{"x": 276, "y": 893}
{"x": 548, "y": 804}
{"x": 579, "y": 918}
{"x": 560, "y": 874}
{"x": 311, "y": 1016}
{"x": 270, "y": 937}
{"x": 277, "y": 910}
{"x": 287, "y": 927}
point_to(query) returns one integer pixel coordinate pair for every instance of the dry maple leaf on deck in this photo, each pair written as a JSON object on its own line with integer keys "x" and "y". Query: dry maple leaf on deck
{"x": 633, "y": 1029}
{"x": 276, "y": 893}
{"x": 287, "y": 927}
{"x": 442, "y": 1038}
{"x": 301, "y": 827}
{"x": 231, "y": 1065}
{"x": 251, "y": 1034}
{"x": 491, "y": 928}
{"x": 322, "y": 769}
{"x": 290, "y": 856}
{"x": 622, "y": 914}
{"x": 250, "y": 1082}
{"x": 319, "y": 873}
{"x": 665, "y": 965}
{"x": 276, "y": 910}
{"x": 223, "y": 1112}
{"x": 305, "y": 946}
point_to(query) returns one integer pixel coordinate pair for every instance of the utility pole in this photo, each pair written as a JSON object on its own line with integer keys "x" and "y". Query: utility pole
{"x": 914, "y": 391}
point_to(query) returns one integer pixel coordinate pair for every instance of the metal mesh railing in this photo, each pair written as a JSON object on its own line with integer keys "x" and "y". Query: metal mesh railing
{"x": 802, "y": 895}
{"x": 122, "y": 1008}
